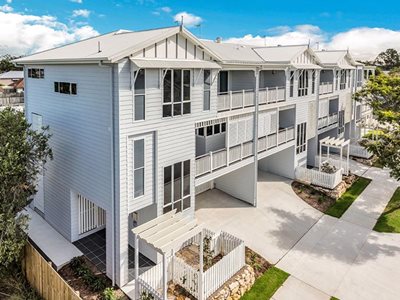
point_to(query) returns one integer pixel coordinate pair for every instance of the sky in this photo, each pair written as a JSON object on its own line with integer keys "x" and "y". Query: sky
{"x": 364, "y": 27}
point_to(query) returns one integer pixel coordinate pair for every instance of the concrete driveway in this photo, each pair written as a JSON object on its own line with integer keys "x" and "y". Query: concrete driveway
{"x": 271, "y": 229}
{"x": 324, "y": 255}
{"x": 344, "y": 257}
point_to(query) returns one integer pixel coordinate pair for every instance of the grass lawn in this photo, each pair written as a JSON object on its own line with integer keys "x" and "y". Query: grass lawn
{"x": 389, "y": 221}
{"x": 344, "y": 202}
{"x": 266, "y": 285}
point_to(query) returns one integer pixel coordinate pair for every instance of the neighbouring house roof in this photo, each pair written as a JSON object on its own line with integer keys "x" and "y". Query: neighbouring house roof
{"x": 12, "y": 75}
{"x": 109, "y": 47}
{"x": 336, "y": 58}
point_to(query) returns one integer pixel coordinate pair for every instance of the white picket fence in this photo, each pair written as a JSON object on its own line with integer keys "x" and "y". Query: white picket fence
{"x": 233, "y": 251}
{"x": 146, "y": 291}
{"x": 359, "y": 151}
{"x": 319, "y": 178}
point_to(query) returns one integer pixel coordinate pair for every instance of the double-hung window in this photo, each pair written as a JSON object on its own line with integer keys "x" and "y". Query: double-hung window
{"x": 36, "y": 73}
{"x": 301, "y": 142}
{"x": 139, "y": 106}
{"x": 177, "y": 186}
{"x": 176, "y": 93}
{"x": 138, "y": 168}
{"x": 207, "y": 89}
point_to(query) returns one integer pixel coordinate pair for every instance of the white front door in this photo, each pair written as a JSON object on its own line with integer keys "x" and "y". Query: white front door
{"x": 38, "y": 200}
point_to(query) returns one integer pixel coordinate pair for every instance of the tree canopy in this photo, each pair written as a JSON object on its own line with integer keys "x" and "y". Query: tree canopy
{"x": 6, "y": 63}
{"x": 23, "y": 153}
{"x": 388, "y": 59}
{"x": 382, "y": 93}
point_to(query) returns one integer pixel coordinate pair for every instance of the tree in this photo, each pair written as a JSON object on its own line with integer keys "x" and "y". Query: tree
{"x": 382, "y": 93}
{"x": 23, "y": 152}
{"x": 6, "y": 63}
{"x": 388, "y": 59}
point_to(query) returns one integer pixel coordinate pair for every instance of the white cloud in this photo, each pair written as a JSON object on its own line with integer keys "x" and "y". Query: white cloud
{"x": 84, "y": 13}
{"x": 77, "y": 1}
{"x": 364, "y": 43}
{"x": 166, "y": 9}
{"x": 283, "y": 35}
{"x": 189, "y": 20}
{"x": 6, "y": 8}
{"x": 9, "y": 1}
{"x": 24, "y": 34}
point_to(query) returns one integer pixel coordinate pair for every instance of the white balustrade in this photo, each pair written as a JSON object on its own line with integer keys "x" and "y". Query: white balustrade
{"x": 325, "y": 88}
{"x": 235, "y": 153}
{"x": 319, "y": 178}
{"x": 262, "y": 144}
{"x": 271, "y": 141}
{"x": 247, "y": 149}
{"x": 271, "y": 95}
{"x": 203, "y": 164}
{"x": 218, "y": 159}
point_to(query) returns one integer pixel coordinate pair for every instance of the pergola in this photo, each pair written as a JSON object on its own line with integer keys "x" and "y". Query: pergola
{"x": 165, "y": 234}
{"x": 335, "y": 143}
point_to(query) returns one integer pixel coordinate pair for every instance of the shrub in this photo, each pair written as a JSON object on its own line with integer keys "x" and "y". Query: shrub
{"x": 80, "y": 269}
{"x": 109, "y": 294}
{"x": 328, "y": 168}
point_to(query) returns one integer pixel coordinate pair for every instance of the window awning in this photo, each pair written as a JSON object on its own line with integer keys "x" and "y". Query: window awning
{"x": 174, "y": 64}
{"x": 306, "y": 66}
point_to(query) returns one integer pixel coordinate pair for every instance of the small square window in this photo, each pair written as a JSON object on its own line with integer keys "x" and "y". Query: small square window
{"x": 209, "y": 130}
{"x": 201, "y": 131}
{"x": 223, "y": 127}
{"x": 217, "y": 128}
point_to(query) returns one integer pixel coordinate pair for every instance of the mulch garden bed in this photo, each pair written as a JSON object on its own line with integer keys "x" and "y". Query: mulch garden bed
{"x": 79, "y": 285}
{"x": 255, "y": 260}
{"x": 190, "y": 254}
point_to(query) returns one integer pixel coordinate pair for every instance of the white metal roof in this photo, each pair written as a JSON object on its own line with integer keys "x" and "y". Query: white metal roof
{"x": 167, "y": 231}
{"x": 280, "y": 53}
{"x": 12, "y": 75}
{"x": 174, "y": 63}
{"x": 336, "y": 58}
{"x": 234, "y": 52}
{"x": 109, "y": 47}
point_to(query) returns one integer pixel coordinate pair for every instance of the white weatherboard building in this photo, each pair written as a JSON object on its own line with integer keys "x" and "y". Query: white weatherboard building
{"x": 143, "y": 121}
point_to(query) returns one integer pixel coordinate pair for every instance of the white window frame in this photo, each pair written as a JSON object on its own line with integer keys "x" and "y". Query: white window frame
{"x": 207, "y": 90}
{"x": 172, "y": 192}
{"x": 134, "y": 96}
{"x": 139, "y": 168}
{"x": 183, "y": 101}
{"x": 301, "y": 141}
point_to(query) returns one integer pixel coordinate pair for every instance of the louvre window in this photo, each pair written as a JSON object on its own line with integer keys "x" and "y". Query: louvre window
{"x": 303, "y": 83}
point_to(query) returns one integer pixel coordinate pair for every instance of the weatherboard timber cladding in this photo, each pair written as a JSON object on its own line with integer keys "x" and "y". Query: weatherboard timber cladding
{"x": 81, "y": 138}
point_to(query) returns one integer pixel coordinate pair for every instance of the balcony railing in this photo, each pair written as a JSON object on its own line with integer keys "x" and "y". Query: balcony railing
{"x": 271, "y": 95}
{"x": 270, "y": 141}
{"x": 215, "y": 160}
{"x": 235, "y": 100}
{"x": 325, "y": 88}
{"x": 245, "y": 98}
{"x": 327, "y": 120}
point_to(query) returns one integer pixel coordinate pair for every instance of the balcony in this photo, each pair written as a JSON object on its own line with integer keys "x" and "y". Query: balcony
{"x": 235, "y": 100}
{"x": 328, "y": 120}
{"x": 215, "y": 160}
{"x": 273, "y": 140}
{"x": 271, "y": 95}
{"x": 325, "y": 88}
